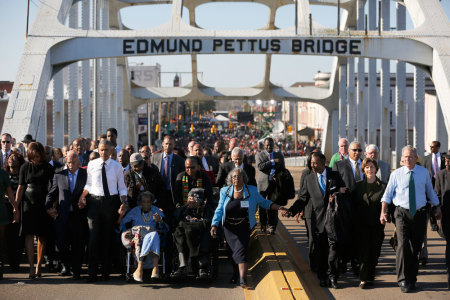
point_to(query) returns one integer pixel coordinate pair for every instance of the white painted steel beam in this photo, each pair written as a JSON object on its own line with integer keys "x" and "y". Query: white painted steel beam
{"x": 400, "y": 93}
{"x": 361, "y": 123}
{"x": 73, "y": 102}
{"x": 58, "y": 109}
{"x": 419, "y": 111}
{"x": 351, "y": 99}
{"x": 85, "y": 119}
{"x": 372, "y": 102}
{"x": 385, "y": 88}
{"x": 342, "y": 100}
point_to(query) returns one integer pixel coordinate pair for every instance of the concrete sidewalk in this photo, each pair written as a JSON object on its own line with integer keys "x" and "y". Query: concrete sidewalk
{"x": 432, "y": 279}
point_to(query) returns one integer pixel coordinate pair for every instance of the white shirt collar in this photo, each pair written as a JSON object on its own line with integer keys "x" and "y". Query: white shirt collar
{"x": 324, "y": 173}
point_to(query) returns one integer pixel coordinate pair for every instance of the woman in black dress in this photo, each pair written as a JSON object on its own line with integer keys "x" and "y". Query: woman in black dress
{"x": 367, "y": 196}
{"x": 35, "y": 177}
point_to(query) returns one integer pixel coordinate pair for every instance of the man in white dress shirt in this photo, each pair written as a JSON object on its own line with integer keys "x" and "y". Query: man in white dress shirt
{"x": 103, "y": 193}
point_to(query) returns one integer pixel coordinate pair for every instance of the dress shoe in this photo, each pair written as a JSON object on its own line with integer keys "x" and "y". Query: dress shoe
{"x": 64, "y": 272}
{"x": 369, "y": 283}
{"x": 323, "y": 283}
{"x": 334, "y": 284}
{"x": 181, "y": 272}
{"x": 404, "y": 287}
{"x": 203, "y": 274}
{"x": 271, "y": 230}
{"x": 413, "y": 286}
{"x": 243, "y": 283}
{"x": 363, "y": 285}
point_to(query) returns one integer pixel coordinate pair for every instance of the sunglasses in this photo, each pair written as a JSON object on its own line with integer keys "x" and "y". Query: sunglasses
{"x": 354, "y": 150}
{"x": 6, "y": 142}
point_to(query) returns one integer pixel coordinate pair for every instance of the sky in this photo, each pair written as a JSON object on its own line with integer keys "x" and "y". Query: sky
{"x": 214, "y": 70}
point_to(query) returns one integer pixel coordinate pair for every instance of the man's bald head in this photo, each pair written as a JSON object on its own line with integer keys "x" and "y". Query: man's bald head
{"x": 72, "y": 161}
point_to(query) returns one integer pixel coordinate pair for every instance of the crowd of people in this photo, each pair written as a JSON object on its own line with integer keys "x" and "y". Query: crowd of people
{"x": 347, "y": 204}
{"x": 83, "y": 203}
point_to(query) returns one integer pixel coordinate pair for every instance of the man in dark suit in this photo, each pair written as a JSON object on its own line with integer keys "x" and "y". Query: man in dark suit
{"x": 70, "y": 221}
{"x": 442, "y": 189}
{"x": 268, "y": 161}
{"x": 209, "y": 163}
{"x": 350, "y": 171}
{"x": 434, "y": 162}
{"x": 6, "y": 148}
{"x": 317, "y": 189}
{"x": 169, "y": 165}
{"x": 79, "y": 146}
{"x": 237, "y": 157}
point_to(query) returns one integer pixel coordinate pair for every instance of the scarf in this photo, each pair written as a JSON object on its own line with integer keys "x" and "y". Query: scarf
{"x": 185, "y": 182}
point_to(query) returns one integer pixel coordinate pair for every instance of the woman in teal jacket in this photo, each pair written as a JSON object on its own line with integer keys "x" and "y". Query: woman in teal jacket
{"x": 236, "y": 211}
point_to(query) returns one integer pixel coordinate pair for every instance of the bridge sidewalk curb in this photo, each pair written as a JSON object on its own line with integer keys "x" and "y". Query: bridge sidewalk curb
{"x": 272, "y": 273}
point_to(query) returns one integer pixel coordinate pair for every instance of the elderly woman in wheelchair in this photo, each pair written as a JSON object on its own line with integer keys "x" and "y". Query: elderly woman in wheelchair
{"x": 147, "y": 230}
{"x": 192, "y": 237}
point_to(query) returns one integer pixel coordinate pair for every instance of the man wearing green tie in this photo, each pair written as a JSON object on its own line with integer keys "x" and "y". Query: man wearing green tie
{"x": 409, "y": 189}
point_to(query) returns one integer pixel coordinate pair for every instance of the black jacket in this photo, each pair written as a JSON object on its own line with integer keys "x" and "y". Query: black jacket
{"x": 227, "y": 167}
{"x": 152, "y": 183}
{"x": 310, "y": 191}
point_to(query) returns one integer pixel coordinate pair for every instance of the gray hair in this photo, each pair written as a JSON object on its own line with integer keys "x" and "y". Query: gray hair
{"x": 237, "y": 151}
{"x": 410, "y": 148}
{"x": 105, "y": 142}
{"x": 355, "y": 143}
{"x": 230, "y": 175}
{"x": 372, "y": 146}
{"x": 342, "y": 140}
{"x": 145, "y": 194}
{"x": 72, "y": 153}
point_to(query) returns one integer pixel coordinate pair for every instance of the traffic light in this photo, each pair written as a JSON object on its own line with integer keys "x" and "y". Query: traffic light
{"x": 192, "y": 128}
{"x": 157, "y": 128}
{"x": 213, "y": 129}
{"x": 289, "y": 128}
{"x": 249, "y": 124}
{"x": 230, "y": 125}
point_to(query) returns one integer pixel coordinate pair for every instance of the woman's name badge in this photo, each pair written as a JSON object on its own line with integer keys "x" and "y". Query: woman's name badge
{"x": 244, "y": 204}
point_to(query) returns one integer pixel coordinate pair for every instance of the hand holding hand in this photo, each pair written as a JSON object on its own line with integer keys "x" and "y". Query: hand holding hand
{"x": 52, "y": 212}
{"x": 82, "y": 202}
{"x": 438, "y": 212}
{"x": 332, "y": 197}
{"x": 16, "y": 218}
{"x": 286, "y": 213}
{"x": 122, "y": 210}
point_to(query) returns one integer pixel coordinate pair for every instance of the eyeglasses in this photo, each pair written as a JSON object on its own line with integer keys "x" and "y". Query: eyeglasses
{"x": 6, "y": 142}
{"x": 354, "y": 150}
{"x": 236, "y": 176}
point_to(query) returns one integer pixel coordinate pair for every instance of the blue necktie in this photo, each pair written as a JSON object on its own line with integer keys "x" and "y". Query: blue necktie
{"x": 321, "y": 184}
{"x": 71, "y": 182}
{"x": 412, "y": 194}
